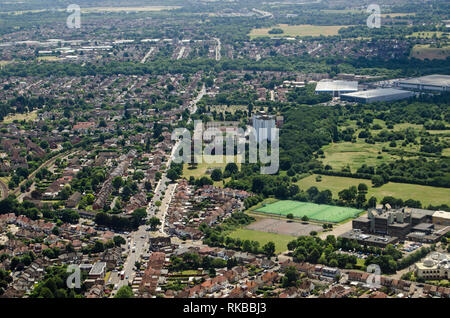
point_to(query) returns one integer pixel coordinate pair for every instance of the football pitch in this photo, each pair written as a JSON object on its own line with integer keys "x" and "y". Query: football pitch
{"x": 318, "y": 212}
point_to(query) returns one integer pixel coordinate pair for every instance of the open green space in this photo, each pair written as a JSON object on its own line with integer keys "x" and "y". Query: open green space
{"x": 202, "y": 168}
{"x": 318, "y": 212}
{"x": 20, "y": 117}
{"x": 343, "y": 154}
{"x": 299, "y": 30}
{"x": 425, "y": 194}
{"x": 424, "y": 51}
{"x": 280, "y": 240}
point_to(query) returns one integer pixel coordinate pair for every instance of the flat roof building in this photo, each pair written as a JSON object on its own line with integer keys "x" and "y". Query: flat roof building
{"x": 377, "y": 95}
{"x": 441, "y": 217}
{"x": 98, "y": 270}
{"x": 436, "y": 266}
{"x": 336, "y": 87}
{"x": 427, "y": 83}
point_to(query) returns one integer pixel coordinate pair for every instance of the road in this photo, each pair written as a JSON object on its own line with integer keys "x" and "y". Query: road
{"x": 3, "y": 190}
{"x": 147, "y": 55}
{"x": 137, "y": 241}
{"x": 218, "y": 49}
{"x": 140, "y": 238}
{"x": 44, "y": 165}
{"x": 181, "y": 53}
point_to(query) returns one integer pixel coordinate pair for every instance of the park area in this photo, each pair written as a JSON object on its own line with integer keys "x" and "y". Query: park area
{"x": 317, "y": 212}
{"x": 299, "y": 30}
{"x": 424, "y": 51}
{"x": 280, "y": 240}
{"x": 425, "y": 194}
{"x": 205, "y": 168}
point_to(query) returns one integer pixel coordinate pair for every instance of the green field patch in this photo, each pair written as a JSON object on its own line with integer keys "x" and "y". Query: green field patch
{"x": 31, "y": 116}
{"x": 423, "y": 52}
{"x": 318, "y": 212}
{"x": 425, "y": 194}
{"x": 427, "y": 34}
{"x": 280, "y": 240}
{"x": 299, "y": 30}
{"x": 203, "y": 168}
{"x": 343, "y": 154}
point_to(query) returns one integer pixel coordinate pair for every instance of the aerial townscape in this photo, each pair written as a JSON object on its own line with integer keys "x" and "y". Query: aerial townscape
{"x": 318, "y": 167}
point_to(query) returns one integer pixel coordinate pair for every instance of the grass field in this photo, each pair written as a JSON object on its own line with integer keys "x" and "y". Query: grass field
{"x": 425, "y": 194}
{"x": 204, "y": 166}
{"x": 423, "y": 52}
{"x": 48, "y": 58}
{"x": 299, "y": 30}
{"x": 426, "y": 34}
{"x": 27, "y": 117}
{"x": 280, "y": 240}
{"x": 339, "y": 155}
{"x": 318, "y": 212}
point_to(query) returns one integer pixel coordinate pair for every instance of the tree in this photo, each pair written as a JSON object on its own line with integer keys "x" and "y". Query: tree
{"x": 139, "y": 214}
{"x": 172, "y": 174}
{"x": 216, "y": 175}
{"x": 231, "y": 168}
{"x": 269, "y": 249}
{"x": 377, "y": 181}
{"x": 290, "y": 216}
{"x": 119, "y": 240}
{"x": 117, "y": 182}
{"x": 363, "y": 188}
{"x": 372, "y": 202}
{"x": 291, "y": 276}
{"x": 124, "y": 292}
{"x": 154, "y": 223}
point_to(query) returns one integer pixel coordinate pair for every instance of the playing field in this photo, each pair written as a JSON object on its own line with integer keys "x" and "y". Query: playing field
{"x": 27, "y": 117}
{"x": 318, "y": 212}
{"x": 280, "y": 240}
{"x": 299, "y": 30}
{"x": 202, "y": 168}
{"x": 425, "y": 194}
{"x": 423, "y": 52}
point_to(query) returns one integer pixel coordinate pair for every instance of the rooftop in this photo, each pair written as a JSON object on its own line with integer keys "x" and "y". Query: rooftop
{"x": 336, "y": 85}
{"x": 439, "y": 80}
{"x": 378, "y": 93}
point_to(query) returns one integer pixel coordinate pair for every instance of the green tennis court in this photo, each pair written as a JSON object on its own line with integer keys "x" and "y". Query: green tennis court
{"x": 318, "y": 212}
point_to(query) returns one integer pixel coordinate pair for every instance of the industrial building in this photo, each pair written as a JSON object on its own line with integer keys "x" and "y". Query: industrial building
{"x": 440, "y": 83}
{"x": 336, "y": 87}
{"x": 264, "y": 125}
{"x": 384, "y": 225}
{"x": 441, "y": 218}
{"x": 377, "y": 95}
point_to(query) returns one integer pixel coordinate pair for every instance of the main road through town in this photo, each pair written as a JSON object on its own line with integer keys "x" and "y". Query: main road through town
{"x": 138, "y": 242}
